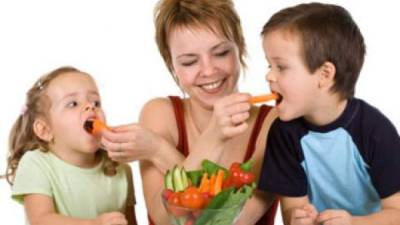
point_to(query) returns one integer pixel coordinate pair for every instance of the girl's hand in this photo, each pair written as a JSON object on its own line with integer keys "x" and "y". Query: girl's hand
{"x": 305, "y": 215}
{"x": 111, "y": 218}
{"x": 334, "y": 217}
{"x": 230, "y": 115}
{"x": 130, "y": 142}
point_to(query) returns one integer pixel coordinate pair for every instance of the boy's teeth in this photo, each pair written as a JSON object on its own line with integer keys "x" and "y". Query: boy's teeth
{"x": 213, "y": 85}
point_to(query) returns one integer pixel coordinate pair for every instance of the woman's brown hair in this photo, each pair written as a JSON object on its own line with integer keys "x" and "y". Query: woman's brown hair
{"x": 217, "y": 15}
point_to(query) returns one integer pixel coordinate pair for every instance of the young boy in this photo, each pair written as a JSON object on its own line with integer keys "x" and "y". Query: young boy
{"x": 333, "y": 158}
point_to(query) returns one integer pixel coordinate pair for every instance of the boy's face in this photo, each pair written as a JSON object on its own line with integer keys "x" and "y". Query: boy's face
{"x": 288, "y": 75}
{"x": 74, "y": 99}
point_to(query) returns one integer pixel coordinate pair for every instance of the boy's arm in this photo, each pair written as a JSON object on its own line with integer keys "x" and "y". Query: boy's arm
{"x": 40, "y": 211}
{"x": 297, "y": 210}
{"x": 389, "y": 215}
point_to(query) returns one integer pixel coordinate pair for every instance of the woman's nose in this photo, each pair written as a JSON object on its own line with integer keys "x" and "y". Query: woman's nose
{"x": 207, "y": 67}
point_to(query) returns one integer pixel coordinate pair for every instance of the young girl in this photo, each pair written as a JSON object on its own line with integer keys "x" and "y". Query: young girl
{"x": 56, "y": 167}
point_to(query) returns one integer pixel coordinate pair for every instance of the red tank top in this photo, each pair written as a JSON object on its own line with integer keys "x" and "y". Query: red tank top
{"x": 182, "y": 146}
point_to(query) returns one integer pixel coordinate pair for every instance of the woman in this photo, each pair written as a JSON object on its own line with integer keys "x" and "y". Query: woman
{"x": 203, "y": 47}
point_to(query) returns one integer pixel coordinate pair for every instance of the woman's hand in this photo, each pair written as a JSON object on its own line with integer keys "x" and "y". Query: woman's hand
{"x": 130, "y": 142}
{"x": 230, "y": 115}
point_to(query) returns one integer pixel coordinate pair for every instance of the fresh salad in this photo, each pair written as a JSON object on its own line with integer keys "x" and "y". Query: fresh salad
{"x": 212, "y": 195}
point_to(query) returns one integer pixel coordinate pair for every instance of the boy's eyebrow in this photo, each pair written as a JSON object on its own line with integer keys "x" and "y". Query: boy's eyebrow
{"x": 212, "y": 49}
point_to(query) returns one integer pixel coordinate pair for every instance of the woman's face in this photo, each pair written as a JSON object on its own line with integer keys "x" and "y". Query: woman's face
{"x": 206, "y": 64}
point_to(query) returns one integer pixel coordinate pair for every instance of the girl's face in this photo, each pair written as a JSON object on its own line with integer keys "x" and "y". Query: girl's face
{"x": 74, "y": 99}
{"x": 206, "y": 64}
{"x": 288, "y": 75}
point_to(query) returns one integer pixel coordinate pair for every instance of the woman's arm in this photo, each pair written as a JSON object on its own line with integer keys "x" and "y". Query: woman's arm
{"x": 40, "y": 211}
{"x": 255, "y": 208}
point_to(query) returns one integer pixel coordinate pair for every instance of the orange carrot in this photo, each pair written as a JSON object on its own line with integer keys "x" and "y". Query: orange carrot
{"x": 218, "y": 181}
{"x": 204, "y": 184}
{"x": 95, "y": 126}
{"x": 212, "y": 184}
{"x": 263, "y": 98}
{"x": 98, "y": 126}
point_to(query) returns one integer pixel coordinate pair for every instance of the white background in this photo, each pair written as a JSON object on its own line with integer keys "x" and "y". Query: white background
{"x": 114, "y": 41}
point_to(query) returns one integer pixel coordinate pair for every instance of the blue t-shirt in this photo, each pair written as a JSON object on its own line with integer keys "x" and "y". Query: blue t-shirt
{"x": 349, "y": 164}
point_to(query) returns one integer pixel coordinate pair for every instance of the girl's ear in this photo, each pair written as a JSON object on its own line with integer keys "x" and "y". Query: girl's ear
{"x": 42, "y": 130}
{"x": 327, "y": 73}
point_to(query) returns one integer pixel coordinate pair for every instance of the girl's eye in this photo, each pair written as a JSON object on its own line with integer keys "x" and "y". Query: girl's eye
{"x": 223, "y": 53}
{"x": 97, "y": 104}
{"x": 72, "y": 104}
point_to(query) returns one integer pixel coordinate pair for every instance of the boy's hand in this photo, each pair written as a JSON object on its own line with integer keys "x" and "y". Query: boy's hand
{"x": 111, "y": 218}
{"x": 305, "y": 215}
{"x": 334, "y": 217}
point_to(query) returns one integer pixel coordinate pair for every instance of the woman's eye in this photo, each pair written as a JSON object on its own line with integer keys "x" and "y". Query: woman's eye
{"x": 189, "y": 63}
{"x": 223, "y": 53}
{"x": 72, "y": 104}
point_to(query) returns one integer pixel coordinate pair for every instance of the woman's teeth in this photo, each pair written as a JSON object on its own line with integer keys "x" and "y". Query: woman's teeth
{"x": 212, "y": 85}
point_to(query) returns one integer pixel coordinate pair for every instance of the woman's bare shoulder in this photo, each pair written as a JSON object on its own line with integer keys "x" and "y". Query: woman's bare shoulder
{"x": 158, "y": 115}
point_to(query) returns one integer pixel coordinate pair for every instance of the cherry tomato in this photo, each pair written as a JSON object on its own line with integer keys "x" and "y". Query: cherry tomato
{"x": 166, "y": 193}
{"x": 192, "y": 198}
{"x": 174, "y": 205}
{"x": 248, "y": 178}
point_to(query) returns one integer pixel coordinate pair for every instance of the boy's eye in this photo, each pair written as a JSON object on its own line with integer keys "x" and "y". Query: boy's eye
{"x": 72, "y": 104}
{"x": 281, "y": 68}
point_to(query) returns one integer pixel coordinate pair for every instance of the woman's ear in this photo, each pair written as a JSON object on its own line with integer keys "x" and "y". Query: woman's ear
{"x": 42, "y": 130}
{"x": 327, "y": 73}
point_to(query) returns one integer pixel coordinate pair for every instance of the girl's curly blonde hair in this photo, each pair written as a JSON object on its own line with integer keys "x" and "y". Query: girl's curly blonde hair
{"x": 22, "y": 137}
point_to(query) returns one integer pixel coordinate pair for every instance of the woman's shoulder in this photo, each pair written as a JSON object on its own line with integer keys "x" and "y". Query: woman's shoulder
{"x": 158, "y": 114}
{"x": 157, "y": 105}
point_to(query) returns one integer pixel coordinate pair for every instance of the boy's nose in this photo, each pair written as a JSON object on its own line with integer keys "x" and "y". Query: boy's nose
{"x": 270, "y": 76}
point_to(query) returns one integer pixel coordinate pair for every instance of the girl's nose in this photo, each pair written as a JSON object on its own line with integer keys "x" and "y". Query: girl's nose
{"x": 89, "y": 107}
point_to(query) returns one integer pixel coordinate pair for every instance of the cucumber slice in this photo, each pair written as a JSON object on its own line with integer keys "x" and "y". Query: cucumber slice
{"x": 168, "y": 184}
{"x": 177, "y": 178}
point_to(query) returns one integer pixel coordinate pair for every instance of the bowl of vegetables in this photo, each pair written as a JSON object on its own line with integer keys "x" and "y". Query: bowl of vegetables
{"x": 212, "y": 195}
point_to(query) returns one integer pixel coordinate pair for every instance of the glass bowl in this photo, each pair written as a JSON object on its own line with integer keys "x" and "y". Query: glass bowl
{"x": 185, "y": 216}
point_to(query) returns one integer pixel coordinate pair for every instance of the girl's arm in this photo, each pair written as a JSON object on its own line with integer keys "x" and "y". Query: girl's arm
{"x": 40, "y": 211}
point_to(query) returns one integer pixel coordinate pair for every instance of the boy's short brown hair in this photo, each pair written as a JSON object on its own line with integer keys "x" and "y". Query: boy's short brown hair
{"x": 219, "y": 16}
{"x": 328, "y": 33}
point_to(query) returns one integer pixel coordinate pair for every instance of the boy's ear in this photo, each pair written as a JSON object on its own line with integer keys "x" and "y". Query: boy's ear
{"x": 327, "y": 73}
{"x": 42, "y": 130}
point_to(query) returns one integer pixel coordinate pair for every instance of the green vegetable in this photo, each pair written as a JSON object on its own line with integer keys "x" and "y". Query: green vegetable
{"x": 168, "y": 184}
{"x": 195, "y": 176}
{"x": 229, "y": 200}
{"x": 212, "y": 168}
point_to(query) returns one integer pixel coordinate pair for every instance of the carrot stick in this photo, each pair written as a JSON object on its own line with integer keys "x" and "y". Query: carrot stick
{"x": 263, "y": 98}
{"x": 94, "y": 127}
{"x": 218, "y": 181}
{"x": 204, "y": 184}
